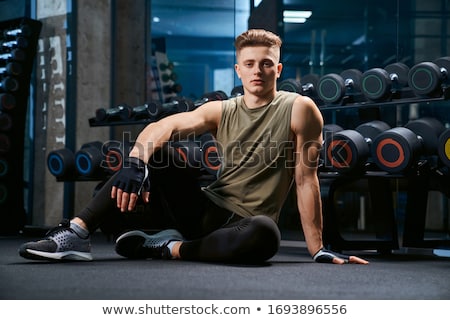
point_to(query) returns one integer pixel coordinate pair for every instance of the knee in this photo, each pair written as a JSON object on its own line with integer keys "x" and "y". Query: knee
{"x": 268, "y": 236}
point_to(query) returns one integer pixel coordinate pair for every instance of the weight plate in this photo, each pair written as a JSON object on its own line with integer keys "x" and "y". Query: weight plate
{"x": 352, "y": 77}
{"x": 444, "y": 147}
{"x": 7, "y": 101}
{"x": 331, "y": 88}
{"x": 346, "y": 151}
{"x": 444, "y": 63}
{"x": 290, "y": 85}
{"x": 370, "y": 130}
{"x": 395, "y": 150}
{"x": 398, "y": 73}
{"x": 237, "y": 91}
{"x": 429, "y": 130}
{"x": 425, "y": 78}
{"x": 376, "y": 84}
{"x": 61, "y": 162}
{"x": 189, "y": 152}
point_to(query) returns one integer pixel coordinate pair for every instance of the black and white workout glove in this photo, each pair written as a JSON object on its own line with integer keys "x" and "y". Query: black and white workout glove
{"x": 133, "y": 177}
{"x": 327, "y": 256}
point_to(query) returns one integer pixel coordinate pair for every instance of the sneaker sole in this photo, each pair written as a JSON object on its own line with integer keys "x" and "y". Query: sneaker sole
{"x": 130, "y": 244}
{"x": 66, "y": 255}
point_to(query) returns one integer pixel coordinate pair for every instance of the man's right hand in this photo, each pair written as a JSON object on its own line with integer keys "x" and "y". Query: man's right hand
{"x": 130, "y": 182}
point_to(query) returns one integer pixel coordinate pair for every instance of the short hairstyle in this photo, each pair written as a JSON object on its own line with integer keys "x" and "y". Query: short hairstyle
{"x": 257, "y": 37}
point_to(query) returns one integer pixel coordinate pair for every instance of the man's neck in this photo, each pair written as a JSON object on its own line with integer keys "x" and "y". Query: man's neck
{"x": 254, "y": 101}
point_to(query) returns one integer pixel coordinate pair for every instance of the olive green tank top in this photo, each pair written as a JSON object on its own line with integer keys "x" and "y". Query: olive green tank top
{"x": 257, "y": 157}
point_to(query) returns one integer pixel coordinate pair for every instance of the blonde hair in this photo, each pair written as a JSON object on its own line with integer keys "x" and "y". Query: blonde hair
{"x": 257, "y": 37}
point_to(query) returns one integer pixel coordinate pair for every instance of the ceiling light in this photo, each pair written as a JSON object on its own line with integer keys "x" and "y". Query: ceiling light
{"x": 296, "y": 16}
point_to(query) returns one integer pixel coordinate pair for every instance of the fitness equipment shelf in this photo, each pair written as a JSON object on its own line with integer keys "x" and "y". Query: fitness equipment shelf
{"x": 370, "y": 104}
{"x": 380, "y": 191}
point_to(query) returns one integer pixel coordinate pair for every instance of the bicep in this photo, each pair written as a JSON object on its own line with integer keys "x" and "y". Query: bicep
{"x": 307, "y": 126}
{"x": 204, "y": 118}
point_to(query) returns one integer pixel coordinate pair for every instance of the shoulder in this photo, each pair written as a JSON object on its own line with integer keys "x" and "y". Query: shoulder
{"x": 305, "y": 114}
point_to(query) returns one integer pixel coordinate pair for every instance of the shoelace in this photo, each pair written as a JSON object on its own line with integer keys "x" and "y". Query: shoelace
{"x": 61, "y": 227}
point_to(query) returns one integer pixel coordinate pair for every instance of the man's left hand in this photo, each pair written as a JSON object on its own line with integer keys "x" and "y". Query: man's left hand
{"x": 328, "y": 256}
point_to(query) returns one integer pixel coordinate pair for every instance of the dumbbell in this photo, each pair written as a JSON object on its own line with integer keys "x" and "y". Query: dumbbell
{"x": 427, "y": 78}
{"x": 12, "y": 68}
{"x": 6, "y": 121}
{"x": 113, "y": 155}
{"x": 9, "y": 84}
{"x": 7, "y": 101}
{"x": 89, "y": 159}
{"x": 4, "y": 167}
{"x": 379, "y": 84}
{"x": 399, "y": 149}
{"x": 5, "y": 144}
{"x": 210, "y": 155}
{"x": 166, "y": 77}
{"x": 16, "y": 55}
{"x": 349, "y": 150}
{"x": 174, "y": 88}
{"x": 23, "y": 30}
{"x": 166, "y": 66}
{"x": 307, "y": 86}
{"x": 444, "y": 147}
{"x": 175, "y": 105}
{"x": 120, "y": 113}
{"x": 20, "y": 42}
{"x": 187, "y": 153}
{"x": 61, "y": 163}
{"x": 211, "y": 96}
{"x": 237, "y": 91}
{"x": 332, "y": 87}
{"x": 327, "y": 134}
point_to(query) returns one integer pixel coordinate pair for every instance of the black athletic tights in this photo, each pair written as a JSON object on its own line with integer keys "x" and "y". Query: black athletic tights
{"x": 213, "y": 233}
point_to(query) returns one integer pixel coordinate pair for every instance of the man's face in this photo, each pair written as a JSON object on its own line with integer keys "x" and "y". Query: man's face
{"x": 258, "y": 68}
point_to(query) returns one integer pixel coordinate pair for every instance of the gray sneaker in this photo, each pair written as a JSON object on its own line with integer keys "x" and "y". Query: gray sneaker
{"x": 139, "y": 245}
{"x": 60, "y": 243}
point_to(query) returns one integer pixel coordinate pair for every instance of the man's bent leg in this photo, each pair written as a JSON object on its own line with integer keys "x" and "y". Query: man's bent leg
{"x": 249, "y": 240}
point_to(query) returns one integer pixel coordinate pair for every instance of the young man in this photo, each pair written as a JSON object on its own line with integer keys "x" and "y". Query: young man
{"x": 269, "y": 141}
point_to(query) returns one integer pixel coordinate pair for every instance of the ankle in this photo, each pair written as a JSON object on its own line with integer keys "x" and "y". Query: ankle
{"x": 174, "y": 247}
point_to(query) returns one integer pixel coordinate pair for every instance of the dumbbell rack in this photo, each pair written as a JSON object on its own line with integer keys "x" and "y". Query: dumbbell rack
{"x": 18, "y": 46}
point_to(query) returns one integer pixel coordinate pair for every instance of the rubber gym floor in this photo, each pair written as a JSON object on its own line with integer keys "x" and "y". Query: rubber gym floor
{"x": 289, "y": 275}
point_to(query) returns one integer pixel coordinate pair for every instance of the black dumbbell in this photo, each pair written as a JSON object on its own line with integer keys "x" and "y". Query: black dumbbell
{"x": 7, "y": 101}
{"x": 399, "y": 149}
{"x": 237, "y": 91}
{"x": 211, "y": 96}
{"x": 19, "y": 42}
{"x": 6, "y": 122}
{"x": 23, "y": 30}
{"x": 5, "y": 144}
{"x": 328, "y": 131}
{"x": 89, "y": 159}
{"x": 175, "y": 105}
{"x": 444, "y": 147}
{"x": 9, "y": 84}
{"x": 187, "y": 153}
{"x": 120, "y": 113}
{"x": 4, "y": 167}
{"x": 427, "y": 78}
{"x": 61, "y": 163}
{"x": 333, "y": 88}
{"x": 113, "y": 155}
{"x": 166, "y": 66}
{"x": 349, "y": 150}
{"x": 379, "y": 84}
{"x": 12, "y": 68}
{"x": 210, "y": 153}
{"x": 14, "y": 55}
{"x": 307, "y": 86}
{"x": 173, "y": 88}
{"x": 166, "y": 77}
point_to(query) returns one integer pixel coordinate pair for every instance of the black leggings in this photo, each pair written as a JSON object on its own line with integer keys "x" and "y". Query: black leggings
{"x": 212, "y": 233}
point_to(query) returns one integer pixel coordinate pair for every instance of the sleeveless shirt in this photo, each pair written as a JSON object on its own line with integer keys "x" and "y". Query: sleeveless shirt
{"x": 257, "y": 154}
